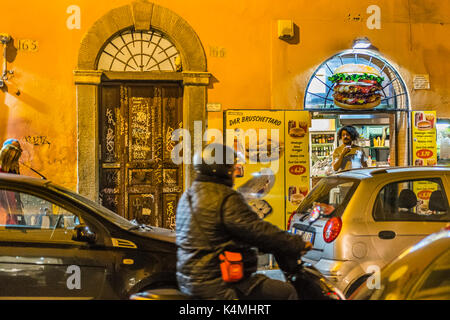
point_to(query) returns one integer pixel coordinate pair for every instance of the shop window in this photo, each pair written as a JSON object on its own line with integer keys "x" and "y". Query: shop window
{"x": 443, "y": 141}
{"x": 319, "y": 92}
{"x": 318, "y": 83}
{"x": 139, "y": 51}
{"x": 412, "y": 200}
{"x": 27, "y": 217}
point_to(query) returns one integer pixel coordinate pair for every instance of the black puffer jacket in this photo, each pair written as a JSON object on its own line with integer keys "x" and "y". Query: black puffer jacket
{"x": 227, "y": 222}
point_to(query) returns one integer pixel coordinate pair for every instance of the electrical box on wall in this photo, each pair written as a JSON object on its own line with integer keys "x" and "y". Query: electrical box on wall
{"x": 285, "y": 29}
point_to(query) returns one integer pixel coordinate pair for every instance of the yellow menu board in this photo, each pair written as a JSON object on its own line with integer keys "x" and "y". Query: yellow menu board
{"x": 424, "y": 149}
{"x": 254, "y": 133}
{"x": 296, "y": 158}
{"x": 274, "y": 176}
{"x": 424, "y": 138}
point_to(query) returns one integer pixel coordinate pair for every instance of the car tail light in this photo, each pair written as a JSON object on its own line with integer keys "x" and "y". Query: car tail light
{"x": 290, "y": 220}
{"x": 332, "y": 229}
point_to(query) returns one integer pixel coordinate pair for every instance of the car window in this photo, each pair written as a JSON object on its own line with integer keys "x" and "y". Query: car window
{"x": 104, "y": 212}
{"x": 435, "y": 283}
{"x": 335, "y": 193}
{"x": 412, "y": 200}
{"x": 30, "y": 217}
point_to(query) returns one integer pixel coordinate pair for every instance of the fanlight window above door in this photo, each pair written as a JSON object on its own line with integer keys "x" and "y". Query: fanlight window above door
{"x": 139, "y": 51}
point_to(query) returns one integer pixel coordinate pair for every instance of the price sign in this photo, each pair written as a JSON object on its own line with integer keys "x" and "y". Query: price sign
{"x": 424, "y": 153}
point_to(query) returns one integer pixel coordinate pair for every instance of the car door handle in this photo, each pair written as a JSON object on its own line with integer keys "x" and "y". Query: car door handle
{"x": 386, "y": 234}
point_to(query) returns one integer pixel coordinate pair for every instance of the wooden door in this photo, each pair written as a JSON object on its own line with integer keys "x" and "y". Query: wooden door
{"x": 138, "y": 180}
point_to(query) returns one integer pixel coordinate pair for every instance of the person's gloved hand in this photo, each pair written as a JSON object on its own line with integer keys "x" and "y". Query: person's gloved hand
{"x": 308, "y": 246}
{"x": 287, "y": 264}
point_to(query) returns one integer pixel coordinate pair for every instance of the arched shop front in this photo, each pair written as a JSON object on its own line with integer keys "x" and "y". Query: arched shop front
{"x": 384, "y": 130}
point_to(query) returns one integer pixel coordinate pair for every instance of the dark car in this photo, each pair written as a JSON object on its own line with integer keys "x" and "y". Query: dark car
{"x": 55, "y": 243}
{"x": 422, "y": 272}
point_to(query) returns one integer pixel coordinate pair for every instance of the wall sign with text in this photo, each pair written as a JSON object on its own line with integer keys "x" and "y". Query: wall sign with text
{"x": 424, "y": 138}
{"x": 275, "y": 146}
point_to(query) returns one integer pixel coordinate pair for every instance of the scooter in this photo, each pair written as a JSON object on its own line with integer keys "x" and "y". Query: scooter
{"x": 306, "y": 279}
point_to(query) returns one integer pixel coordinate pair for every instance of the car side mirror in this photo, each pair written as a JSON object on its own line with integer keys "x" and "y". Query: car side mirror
{"x": 82, "y": 233}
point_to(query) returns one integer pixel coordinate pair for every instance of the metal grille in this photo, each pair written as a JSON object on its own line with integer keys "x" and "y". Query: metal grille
{"x": 139, "y": 51}
{"x": 319, "y": 90}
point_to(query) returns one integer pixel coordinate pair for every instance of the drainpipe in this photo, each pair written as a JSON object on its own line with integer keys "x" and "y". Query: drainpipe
{"x": 4, "y": 40}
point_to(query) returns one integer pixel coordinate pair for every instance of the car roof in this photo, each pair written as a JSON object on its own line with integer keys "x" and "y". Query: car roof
{"x": 17, "y": 178}
{"x": 364, "y": 173}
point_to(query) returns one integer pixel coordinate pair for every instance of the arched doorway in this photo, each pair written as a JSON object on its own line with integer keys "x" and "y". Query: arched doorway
{"x": 141, "y": 73}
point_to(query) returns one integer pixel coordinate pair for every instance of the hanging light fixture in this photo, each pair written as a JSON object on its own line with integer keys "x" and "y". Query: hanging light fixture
{"x": 362, "y": 43}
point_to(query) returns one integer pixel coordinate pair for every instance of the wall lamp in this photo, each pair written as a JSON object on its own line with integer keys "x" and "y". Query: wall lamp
{"x": 362, "y": 43}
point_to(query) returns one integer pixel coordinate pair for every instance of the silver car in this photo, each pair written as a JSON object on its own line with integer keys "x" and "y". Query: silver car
{"x": 359, "y": 220}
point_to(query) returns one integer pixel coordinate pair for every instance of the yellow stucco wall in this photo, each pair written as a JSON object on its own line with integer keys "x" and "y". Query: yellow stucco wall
{"x": 251, "y": 67}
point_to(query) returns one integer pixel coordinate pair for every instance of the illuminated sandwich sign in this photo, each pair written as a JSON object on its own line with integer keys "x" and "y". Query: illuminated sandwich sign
{"x": 356, "y": 86}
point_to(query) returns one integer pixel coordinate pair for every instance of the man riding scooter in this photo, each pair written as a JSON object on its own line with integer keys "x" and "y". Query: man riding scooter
{"x": 216, "y": 232}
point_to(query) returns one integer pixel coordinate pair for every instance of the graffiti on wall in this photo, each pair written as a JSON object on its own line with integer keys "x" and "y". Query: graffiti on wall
{"x": 373, "y": 20}
{"x": 37, "y": 140}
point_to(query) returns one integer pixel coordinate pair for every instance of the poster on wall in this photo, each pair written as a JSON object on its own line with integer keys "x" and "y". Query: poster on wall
{"x": 424, "y": 138}
{"x": 424, "y": 149}
{"x": 274, "y": 176}
{"x": 296, "y": 158}
{"x": 258, "y": 136}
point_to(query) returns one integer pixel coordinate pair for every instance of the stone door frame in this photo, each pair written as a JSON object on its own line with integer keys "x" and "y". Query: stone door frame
{"x": 140, "y": 15}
